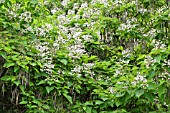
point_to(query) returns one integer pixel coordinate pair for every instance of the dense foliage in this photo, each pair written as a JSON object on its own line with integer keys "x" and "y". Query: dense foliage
{"x": 84, "y": 56}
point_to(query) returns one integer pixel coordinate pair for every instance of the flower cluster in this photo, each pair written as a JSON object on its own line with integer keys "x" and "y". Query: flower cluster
{"x": 140, "y": 79}
{"x": 46, "y": 56}
{"x": 12, "y": 14}
{"x": 127, "y": 53}
{"x": 151, "y": 33}
{"x": 65, "y": 2}
{"x": 149, "y": 61}
{"x": 86, "y": 67}
{"x": 111, "y": 90}
{"x": 2, "y": 1}
{"x": 127, "y": 26}
{"x": 76, "y": 51}
{"x": 158, "y": 44}
{"x": 26, "y": 16}
{"x": 43, "y": 30}
{"x": 142, "y": 10}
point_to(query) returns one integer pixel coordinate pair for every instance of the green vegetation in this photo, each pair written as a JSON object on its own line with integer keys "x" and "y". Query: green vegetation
{"x": 84, "y": 56}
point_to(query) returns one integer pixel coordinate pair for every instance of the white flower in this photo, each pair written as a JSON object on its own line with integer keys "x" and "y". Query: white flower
{"x": 77, "y": 34}
{"x": 49, "y": 26}
{"x": 2, "y": 1}
{"x": 140, "y": 79}
{"x": 45, "y": 2}
{"x": 77, "y": 69}
{"x": 142, "y": 10}
{"x": 87, "y": 37}
{"x": 111, "y": 89}
{"x": 65, "y": 2}
{"x": 53, "y": 11}
{"x": 17, "y": 6}
{"x": 71, "y": 12}
{"x": 30, "y": 29}
{"x": 26, "y": 16}
{"x": 76, "y": 6}
{"x": 84, "y": 5}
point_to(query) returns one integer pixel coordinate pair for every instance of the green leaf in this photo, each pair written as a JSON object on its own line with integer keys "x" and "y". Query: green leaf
{"x": 93, "y": 57}
{"x": 16, "y": 68}
{"x": 9, "y": 64}
{"x": 7, "y": 49}
{"x": 162, "y": 82}
{"x": 139, "y": 92}
{"x": 22, "y": 88}
{"x": 17, "y": 82}
{"x": 3, "y": 54}
{"x": 64, "y": 61}
{"x": 158, "y": 59}
{"x": 151, "y": 73}
{"x": 34, "y": 1}
{"x": 141, "y": 57}
{"x": 94, "y": 111}
{"x": 49, "y": 88}
{"x": 39, "y": 64}
{"x": 98, "y": 102}
{"x": 118, "y": 103}
{"x": 26, "y": 68}
{"x": 37, "y": 102}
{"x": 69, "y": 98}
{"x": 23, "y": 102}
{"x": 88, "y": 103}
{"x": 33, "y": 64}
{"x": 33, "y": 106}
{"x": 36, "y": 70}
{"x": 104, "y": 98}
{"x": 28, "y": 58}
{"x": 41, "y": 82}
{"x": 84, "y": 108}
{"x": 46, "y": 106}
{"x": 151, "y": 85}
{"x": 88, "y": 109}
{"x": 161, "y": 90}
{"x": 50, "y": 82}
{"x": 149, "y": 97}
{"x": 120, "y": 94}
{"x": 31, "y": 83}
{"x": 9, "y": 78}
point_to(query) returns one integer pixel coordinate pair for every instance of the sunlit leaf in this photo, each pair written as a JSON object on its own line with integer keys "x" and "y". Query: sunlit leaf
{"x": 49, "y": 89}
{"x": 69, "y": 98}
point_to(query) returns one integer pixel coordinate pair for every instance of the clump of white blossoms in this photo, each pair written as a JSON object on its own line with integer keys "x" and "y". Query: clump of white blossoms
{"x": 119, "y": 69}
{"x": 85, "y": 67}
{"x": 12, "y": 14}
{"x": 43, "y": 30}
{"x": 87, "y": 38}
{"x": 151, "y": 33}
{"x": 53, "y": 11}
{"x": 58, "y": 43}
{"x": 129, "y": 25}
{"x": 26, "y": 16}
{"x": 127, "y": 53}
{"x": 76, "y": 6}
{"x": 149, "y": 61}
{"x": 2, "y": 1}
{"x": 142, "y": 10}
{"x": 65, "y": 2}
{"x": 111, "y": 90}
{"x": 158, "y": 44}
{"x": 76, "y": 51}
{"x": 46, "y": 56}
{"x": 140, "y": 79}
